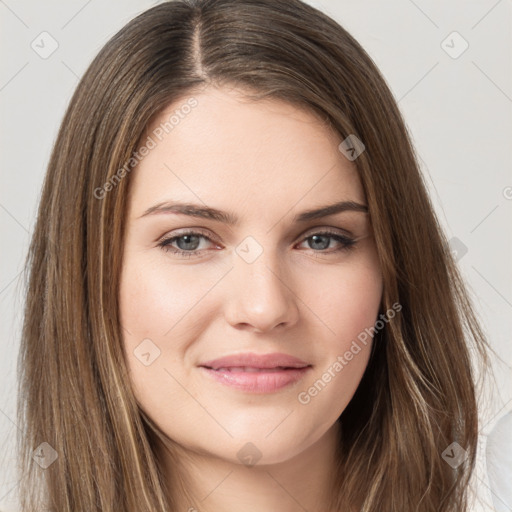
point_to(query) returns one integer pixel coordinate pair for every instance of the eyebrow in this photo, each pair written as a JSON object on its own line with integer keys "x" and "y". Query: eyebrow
{"x": 204, "y": 212}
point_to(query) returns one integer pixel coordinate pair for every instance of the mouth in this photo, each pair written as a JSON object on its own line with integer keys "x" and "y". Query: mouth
{"x": 251, "y": 369}
{"x": 256, "y": 380}
{"x": 256, "y": 373}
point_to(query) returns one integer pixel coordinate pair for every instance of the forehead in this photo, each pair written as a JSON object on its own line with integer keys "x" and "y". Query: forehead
{"x": 230, "y": 149}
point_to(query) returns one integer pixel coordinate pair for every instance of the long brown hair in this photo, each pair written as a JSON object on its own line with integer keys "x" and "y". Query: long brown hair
{"x": 418, "y": 394}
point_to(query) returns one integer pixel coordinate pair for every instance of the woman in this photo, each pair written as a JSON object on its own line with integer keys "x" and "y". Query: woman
{"x": 307, "y": 344}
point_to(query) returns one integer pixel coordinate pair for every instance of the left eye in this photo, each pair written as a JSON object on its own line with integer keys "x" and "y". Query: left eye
{"x": 323, "y": 239}
{"x": 188, "y": 242}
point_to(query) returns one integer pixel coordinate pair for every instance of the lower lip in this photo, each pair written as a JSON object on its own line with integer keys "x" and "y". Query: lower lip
{"x": 258, "y": 382}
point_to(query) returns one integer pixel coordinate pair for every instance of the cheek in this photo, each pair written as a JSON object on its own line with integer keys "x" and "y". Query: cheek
{"x": 358, "y": 303}
{"x": 155, "y": 298}
{"x": 348, "y": 312}
{"x": 161, "y": 309}
{"x": 346, "y": 299}
{"x": 152, "y": 300}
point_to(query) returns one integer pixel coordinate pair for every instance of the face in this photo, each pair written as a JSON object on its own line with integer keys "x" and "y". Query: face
{"x": 198, "y": 288}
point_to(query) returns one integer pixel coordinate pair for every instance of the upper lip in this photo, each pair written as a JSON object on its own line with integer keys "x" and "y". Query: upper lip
{"x": 253, "y": 360}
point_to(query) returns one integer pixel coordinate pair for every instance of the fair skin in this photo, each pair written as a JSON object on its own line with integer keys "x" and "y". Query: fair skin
{"x": 265, "y": 162}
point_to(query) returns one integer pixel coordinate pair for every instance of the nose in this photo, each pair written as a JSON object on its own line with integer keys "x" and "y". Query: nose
{"x": 261, "y": 294}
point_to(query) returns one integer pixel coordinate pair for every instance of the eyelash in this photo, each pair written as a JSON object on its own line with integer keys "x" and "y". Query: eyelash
{"x": 347, "y": 243}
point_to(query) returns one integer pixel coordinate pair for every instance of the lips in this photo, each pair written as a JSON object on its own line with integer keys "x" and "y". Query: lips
{"x": 250, "y": 369}
{"x": 248, "y": 361}
{"x": 256, "y": 373}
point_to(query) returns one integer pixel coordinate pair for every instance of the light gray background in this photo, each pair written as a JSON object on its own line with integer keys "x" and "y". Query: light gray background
{"x": 457, "y": 109}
